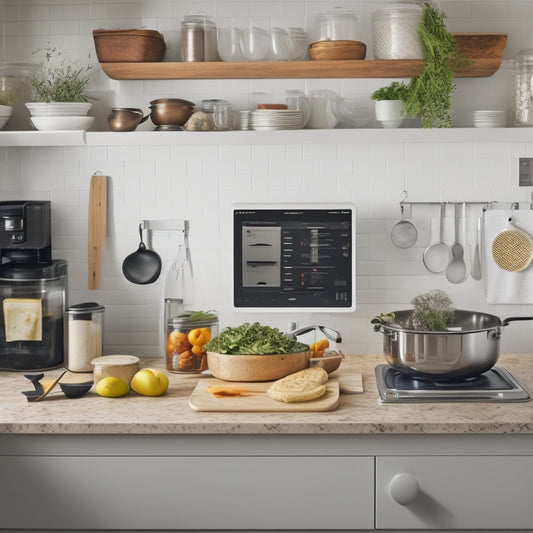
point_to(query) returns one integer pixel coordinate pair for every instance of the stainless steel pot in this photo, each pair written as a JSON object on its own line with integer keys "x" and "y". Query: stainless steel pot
{"x": 470, "y": 347}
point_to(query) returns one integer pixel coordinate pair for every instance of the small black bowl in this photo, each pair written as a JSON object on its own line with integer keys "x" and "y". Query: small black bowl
{"x": 76, "y": 390}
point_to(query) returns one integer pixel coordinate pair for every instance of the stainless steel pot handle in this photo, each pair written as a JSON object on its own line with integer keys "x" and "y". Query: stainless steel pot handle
{"x": 515, "y": 318}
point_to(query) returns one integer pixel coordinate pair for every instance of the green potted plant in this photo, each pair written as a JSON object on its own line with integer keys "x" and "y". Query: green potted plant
{"x": 430, "y": 93}
{"x": 389, "y": 104}
{"x": 59, "y": 90}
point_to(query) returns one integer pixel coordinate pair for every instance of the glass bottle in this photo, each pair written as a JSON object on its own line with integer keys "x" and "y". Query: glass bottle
{"x": 523, "y": 94}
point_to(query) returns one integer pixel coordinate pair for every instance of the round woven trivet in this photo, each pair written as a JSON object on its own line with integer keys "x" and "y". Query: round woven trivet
{"x": 512, "y": 248}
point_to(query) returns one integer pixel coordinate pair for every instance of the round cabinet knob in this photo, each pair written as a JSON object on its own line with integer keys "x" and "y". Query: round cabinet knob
{"x": 403, "y": 488}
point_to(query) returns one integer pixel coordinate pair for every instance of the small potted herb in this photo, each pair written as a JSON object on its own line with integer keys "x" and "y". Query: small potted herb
{"x": 59, "y": 88}
{"x": 389, "y": 104}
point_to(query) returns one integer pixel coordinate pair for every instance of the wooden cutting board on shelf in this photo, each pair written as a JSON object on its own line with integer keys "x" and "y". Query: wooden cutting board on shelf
{"x": 250, "y": 397}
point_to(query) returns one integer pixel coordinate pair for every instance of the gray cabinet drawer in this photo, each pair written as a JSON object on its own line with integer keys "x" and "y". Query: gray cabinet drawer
{"x": 187, "y": 493}
{"x": 455, "y": 492}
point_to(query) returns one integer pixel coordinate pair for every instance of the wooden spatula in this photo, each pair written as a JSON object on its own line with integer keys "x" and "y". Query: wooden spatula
{"x": 97, "y": 227}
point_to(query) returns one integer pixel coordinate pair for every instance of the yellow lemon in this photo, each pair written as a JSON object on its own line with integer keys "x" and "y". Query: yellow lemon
{"x": 149, "y": 382}
{"x": 111, "y": 387}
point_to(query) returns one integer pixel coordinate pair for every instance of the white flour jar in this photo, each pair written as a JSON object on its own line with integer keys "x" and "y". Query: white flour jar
{"x": 395, "y": 32}
{"x": 84, "y": 335}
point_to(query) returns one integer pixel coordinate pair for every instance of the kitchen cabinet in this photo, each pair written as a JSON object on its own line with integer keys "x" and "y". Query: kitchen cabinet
{"x": 93, "y": 492}
{"x": 264, "y": 482}
{"x": 454, "y": 492}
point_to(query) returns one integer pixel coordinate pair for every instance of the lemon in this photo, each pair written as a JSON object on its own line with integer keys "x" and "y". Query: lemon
{"x": 111, "y": 387}
{"x": 149, "y": 382}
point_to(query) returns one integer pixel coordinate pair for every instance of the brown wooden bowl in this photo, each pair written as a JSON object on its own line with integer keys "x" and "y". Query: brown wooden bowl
{"x": 255, "y": 367}
{"x": 128, "y": 45}
{"x": 481, "y": 45}
{"x": 331, "y": 50}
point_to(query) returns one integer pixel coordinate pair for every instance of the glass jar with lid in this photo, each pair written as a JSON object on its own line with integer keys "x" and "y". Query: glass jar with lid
{"x": 187, "y": 335}
{"x": 523, "y": 94}
{"x": 395, "y": 32}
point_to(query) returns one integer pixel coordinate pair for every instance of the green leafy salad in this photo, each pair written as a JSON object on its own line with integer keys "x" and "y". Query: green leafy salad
{"x": 254, "y": 339}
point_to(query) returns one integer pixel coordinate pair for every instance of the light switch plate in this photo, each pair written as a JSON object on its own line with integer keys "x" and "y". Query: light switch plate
{"x": 525, "y": 172}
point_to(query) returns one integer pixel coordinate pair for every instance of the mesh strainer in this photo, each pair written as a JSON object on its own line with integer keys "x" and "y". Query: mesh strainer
{"x": 512, "y": 248}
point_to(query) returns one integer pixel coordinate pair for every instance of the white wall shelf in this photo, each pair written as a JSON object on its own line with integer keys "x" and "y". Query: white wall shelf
{"x": 374, "y": 135}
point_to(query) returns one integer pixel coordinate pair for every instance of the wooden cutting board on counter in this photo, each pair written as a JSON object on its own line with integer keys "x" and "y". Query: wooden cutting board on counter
{"x": 250, "y": 397}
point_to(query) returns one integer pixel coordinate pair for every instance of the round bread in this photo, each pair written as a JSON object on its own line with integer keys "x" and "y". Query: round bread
{"x": 303, "y": 395}
{"x": 302, "y": 386}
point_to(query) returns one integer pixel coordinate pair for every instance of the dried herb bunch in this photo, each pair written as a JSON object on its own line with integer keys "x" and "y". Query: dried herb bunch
{"x": 58, "y": 81}
{"x": 430, "y": 93}
{"x": 433, "y": 311}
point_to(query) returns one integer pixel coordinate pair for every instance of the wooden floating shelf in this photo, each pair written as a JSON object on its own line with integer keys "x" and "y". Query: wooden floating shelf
{"x": 398, "y": 68}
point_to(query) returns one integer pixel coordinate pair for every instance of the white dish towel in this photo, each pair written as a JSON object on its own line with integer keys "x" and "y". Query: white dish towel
{"x": 506, "y": 287}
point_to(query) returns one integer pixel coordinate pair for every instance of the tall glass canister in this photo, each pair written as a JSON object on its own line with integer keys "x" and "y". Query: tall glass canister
{"x": 84, "y": 336}
{"x": 523, "y": 94}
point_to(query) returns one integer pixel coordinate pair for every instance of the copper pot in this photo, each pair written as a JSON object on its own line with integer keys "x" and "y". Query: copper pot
{"x": 125, "y": 118}
{"x": 170, "y": 111}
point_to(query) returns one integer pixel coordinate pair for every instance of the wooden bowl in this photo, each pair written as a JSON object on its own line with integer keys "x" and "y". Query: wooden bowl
{"x": 128, "y": 45}
{"x": 331, "y": 50}
{"x": 255, "y": 367}
{"x": 481, "y": 45}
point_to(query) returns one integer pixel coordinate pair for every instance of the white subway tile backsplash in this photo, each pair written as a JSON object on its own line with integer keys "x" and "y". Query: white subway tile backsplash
{"x": 199, "y": 182}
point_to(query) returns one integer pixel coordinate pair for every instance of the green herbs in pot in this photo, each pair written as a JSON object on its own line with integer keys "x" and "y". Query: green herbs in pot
{"x": 254, "y": 339}
{"x": 433, "y": 311}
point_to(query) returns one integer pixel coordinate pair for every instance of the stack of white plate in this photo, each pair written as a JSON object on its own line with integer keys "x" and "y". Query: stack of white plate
{"x": 55, "y": 116}
{"x": 277, "y": 119}
{"x": 489, "y": 119}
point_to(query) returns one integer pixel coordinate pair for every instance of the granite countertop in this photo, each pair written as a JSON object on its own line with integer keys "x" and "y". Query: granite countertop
{"x": 171, "y": 414}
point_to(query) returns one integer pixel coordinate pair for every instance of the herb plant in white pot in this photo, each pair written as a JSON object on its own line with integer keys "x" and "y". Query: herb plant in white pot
{"x": 389, "y": 104}
{"x": 59, "y": 90}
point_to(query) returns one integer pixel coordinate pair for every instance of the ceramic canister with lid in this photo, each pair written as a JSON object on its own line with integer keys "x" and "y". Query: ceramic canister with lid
{"x": 84, "y": 335}
{"x": 395, "y": 32}
{"x": 523, "y": 95}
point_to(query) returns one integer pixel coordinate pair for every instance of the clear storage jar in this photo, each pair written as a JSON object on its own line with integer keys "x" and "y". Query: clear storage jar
{"x": 523, "y": 95}
{"x": 84, "y": 335}
{"x": 395, "y": 32}
{"x": 186, "y": 340}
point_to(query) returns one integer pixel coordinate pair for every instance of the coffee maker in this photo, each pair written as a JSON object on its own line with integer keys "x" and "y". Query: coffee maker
{"x": 33, "y": 288}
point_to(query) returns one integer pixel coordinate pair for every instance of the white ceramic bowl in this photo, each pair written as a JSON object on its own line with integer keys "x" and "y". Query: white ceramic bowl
{"x": 62, "y": 123}
{"x": 58, "y": 109}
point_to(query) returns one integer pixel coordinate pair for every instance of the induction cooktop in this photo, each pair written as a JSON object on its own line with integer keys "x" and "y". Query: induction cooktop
{"x": 495, "y": 385}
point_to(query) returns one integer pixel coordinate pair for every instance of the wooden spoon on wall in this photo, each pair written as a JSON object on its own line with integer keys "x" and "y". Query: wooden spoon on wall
{"x": 97, "y": 227}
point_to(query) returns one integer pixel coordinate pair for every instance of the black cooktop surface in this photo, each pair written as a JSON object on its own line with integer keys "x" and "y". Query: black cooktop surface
{"x": 497, "y": 384}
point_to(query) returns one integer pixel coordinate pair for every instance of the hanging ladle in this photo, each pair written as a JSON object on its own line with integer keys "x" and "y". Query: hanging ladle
{"x": 437, "y": 255}
{"x": 456, "y": 270}
{"x": 142, "y": 266}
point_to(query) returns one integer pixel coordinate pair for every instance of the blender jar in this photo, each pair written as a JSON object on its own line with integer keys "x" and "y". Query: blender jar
{"x": 31, "y": 319}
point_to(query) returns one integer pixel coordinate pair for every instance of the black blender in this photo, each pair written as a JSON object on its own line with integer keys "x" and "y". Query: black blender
{"x": 33, "y": 288}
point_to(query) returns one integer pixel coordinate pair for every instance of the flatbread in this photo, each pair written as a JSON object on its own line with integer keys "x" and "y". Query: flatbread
{"x": 302, "y": 386}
